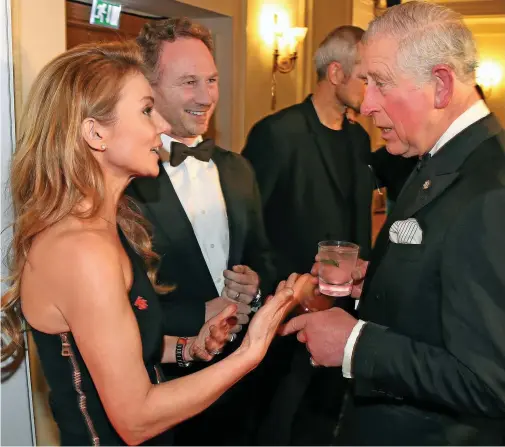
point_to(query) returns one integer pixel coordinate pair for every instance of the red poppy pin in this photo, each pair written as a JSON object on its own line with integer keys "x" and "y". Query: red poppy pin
{"x": 140, "y": 303}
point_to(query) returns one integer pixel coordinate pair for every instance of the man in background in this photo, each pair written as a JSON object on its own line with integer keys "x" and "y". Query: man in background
{"x": 316, "y": 183}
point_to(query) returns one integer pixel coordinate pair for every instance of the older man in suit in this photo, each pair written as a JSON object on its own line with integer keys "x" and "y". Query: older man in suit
{"x": 427, "y": 355}
{"x": 206, "y": 213}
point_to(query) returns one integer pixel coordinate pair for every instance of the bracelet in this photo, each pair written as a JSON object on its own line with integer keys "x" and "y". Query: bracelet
{"x": 179, "y": 352}
{"x": 256, "y": 302}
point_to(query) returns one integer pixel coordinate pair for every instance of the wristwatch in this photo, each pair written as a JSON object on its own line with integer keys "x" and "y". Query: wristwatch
{"x": 256, "y": 302}
{"x": 179, "y": 352}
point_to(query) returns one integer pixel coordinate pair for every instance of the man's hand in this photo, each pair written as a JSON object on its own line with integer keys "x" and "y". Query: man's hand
{"x": 358, "y": 276}
{"x": 241, "y": 284}
{"x": 325, "y": 334}
{"x": 215, "y": 306}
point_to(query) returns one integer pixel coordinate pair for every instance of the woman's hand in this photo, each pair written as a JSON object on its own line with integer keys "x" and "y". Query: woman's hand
{"x": 213, "y": 335}
{"x": 265, "y": 323}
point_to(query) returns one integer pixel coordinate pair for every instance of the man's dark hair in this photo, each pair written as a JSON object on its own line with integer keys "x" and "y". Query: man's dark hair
{"x": 152, "y": 36}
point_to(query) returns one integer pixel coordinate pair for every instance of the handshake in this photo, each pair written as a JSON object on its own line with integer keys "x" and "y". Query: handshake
{"x": 335, "y": 273}
{"x": 316, "y": 291}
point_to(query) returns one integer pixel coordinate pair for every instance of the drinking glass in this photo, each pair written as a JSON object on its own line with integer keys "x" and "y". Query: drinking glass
{"x": 338, "y": 260}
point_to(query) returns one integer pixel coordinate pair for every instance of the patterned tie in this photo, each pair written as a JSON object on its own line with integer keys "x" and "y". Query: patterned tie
{"x": 202, "y": 151}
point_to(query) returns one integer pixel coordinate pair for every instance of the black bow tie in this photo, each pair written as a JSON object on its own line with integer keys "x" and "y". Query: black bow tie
{"x": 179, "y": 152}
{"x": 422, "y": 161}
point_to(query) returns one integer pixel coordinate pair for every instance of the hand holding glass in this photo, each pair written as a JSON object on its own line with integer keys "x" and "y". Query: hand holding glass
{"x": 338, "y": 260}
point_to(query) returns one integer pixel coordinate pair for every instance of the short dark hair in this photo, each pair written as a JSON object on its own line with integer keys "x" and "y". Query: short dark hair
{"x": 152, "y": 36}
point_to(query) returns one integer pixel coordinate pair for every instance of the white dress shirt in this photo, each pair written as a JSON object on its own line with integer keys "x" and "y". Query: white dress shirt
{"x": 199, "y": 190}
{"x": 473, "y": 114}
{"x": 476, "y": 112}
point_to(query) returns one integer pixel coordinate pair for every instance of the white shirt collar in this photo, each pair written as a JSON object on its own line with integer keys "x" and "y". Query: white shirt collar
{"x": 167, "y": 141}
{"x": 476, "y": 112}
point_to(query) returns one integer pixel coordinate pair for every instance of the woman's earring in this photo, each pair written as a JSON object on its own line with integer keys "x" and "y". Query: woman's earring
{"x": 103, "y": 147}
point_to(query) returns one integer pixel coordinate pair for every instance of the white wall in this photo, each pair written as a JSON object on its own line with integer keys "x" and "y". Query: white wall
{"x": 38, "y": 35}
{"x": 16, "y": 414}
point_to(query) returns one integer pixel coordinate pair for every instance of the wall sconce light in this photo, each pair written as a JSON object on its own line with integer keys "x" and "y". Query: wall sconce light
{"x": 489, "y": 74}
{"x": 286, "y": 42}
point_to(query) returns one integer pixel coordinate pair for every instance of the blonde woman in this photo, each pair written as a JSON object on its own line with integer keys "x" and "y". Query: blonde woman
{"x": 80, "y": 254}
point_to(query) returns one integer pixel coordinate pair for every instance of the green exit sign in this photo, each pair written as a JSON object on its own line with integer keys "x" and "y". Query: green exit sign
{"x": 105, "y": 13}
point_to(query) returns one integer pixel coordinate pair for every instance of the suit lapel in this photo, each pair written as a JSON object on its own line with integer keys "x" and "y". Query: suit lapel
{"x": 428, "y": 191}
{"x": 160, "y": 198}
{"x": 442, "y": 170}
{"x": 440, "y": 173}
{"x": 322, "y": 143}
{"x": 412, "y": 199}
{"x": 235, "y": 207}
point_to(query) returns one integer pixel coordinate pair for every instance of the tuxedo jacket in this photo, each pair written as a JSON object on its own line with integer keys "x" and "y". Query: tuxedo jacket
{"x": 182, "y": 263}
{"x": 300, "y": 188}
{"x": 429, "y": 366}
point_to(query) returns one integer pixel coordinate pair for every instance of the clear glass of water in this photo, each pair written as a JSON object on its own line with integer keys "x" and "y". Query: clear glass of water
{"x": 338, "y": 260}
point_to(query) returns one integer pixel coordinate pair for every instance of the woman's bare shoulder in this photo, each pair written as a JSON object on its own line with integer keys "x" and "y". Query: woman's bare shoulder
{"x": 74, "y": 242}
{"x": 63, "y": 266}
{"x": 69, "y": 255}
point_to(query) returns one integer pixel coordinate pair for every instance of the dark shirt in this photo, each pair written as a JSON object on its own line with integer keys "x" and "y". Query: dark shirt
{"x": 339, "y": 151}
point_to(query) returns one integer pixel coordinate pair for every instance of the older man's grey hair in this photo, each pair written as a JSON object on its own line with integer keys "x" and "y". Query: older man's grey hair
{"x": 338, "y": 46}
{"x": 427, "y": 35}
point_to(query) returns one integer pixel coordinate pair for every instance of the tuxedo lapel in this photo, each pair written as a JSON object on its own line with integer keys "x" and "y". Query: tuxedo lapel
{"x": 160, "y": 198}
{"x": 236, "y": 209}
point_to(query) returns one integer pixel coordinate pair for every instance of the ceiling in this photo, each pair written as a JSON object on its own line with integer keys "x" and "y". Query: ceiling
{"x": 161, "y": 8}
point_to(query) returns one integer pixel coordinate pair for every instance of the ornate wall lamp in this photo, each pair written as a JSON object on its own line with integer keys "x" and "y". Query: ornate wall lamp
{"x": 286, "y": 42}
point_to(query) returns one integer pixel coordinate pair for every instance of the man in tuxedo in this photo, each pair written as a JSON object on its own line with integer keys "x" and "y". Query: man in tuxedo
{"x": 427, "y": 355}
{"x": 206, "y": 213}
{"x": 316, "y": 183}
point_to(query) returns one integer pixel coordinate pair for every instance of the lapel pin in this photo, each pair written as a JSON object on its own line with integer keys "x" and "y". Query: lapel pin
{"x": 426, "y": 184}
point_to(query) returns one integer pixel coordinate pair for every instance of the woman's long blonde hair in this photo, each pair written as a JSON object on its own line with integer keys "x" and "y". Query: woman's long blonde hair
{"x": 53, "y": 168}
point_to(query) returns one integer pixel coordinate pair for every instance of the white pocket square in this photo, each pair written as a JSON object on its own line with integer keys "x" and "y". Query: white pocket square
{"x": 406, "y": 232}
